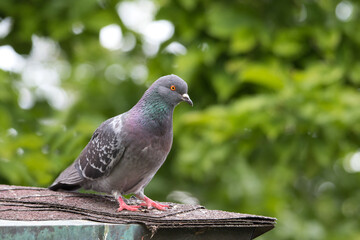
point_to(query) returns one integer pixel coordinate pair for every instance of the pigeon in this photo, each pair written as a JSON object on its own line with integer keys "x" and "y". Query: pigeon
{"x": 126, "y": 151}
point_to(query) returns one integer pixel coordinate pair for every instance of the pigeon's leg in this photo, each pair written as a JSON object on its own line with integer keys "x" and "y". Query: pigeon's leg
{"x": 150, "y": 203}
{"x": 124, "y": 206}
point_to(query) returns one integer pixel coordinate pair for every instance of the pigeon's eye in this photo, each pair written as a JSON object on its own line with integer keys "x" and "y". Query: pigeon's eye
{"x": 172, "y": 87}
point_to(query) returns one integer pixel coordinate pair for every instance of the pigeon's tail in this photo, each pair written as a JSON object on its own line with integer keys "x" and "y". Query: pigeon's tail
{"x": 68, "y": 180}
{"x": 62, "y": 186}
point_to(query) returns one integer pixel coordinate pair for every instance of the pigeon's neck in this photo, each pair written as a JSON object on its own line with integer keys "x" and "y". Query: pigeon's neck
{"x": 154, "y": 114}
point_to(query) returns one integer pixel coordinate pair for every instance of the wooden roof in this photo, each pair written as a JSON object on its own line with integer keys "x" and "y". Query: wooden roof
{"x": 38, "y": 204}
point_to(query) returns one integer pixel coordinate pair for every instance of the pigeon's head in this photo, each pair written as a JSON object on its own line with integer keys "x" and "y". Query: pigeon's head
{"x": 172, "y": 89}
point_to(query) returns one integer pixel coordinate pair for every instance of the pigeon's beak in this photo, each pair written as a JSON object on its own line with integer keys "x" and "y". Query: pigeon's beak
{"x": 186, "y": 98}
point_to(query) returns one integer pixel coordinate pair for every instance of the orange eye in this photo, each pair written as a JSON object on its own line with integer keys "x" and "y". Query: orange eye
{"x": 172, "y": 88}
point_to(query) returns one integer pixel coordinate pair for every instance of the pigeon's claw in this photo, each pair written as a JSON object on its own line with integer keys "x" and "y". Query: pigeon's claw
{"x": 129, "y": 208}
{"x": 124, "y": 206}
{"x": 150, "y": 204}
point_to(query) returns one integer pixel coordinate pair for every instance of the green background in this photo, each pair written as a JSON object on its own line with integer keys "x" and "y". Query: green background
{"x": 275, "y": 85}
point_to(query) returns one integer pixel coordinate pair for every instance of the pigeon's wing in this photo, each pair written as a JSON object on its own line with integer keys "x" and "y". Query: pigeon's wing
{"x": 100, "y": 155}
{"x": 103, "y": 152}
{"x": 69, "y": 179}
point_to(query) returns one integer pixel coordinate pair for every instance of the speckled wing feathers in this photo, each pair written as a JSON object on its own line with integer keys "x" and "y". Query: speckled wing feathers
{"x": 101, "y": 154}
{"x": 103, "y": 151}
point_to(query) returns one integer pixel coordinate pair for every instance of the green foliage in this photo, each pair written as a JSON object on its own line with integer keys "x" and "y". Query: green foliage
{"x": 276, "y": 116}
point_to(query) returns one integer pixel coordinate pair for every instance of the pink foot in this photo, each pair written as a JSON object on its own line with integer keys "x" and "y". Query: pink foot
{"x": 124, "y": 206}
{"x": 150, "y": 203}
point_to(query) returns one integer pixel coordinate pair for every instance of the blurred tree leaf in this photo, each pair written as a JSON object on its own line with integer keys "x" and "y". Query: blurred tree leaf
{"x": 267, "y": 75}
